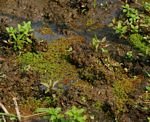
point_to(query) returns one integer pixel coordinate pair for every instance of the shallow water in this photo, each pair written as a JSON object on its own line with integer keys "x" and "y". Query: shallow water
{"x": 36, "y": 25}
{"x": 102, "y": 18}
{"x": 49, "y": 37}
{"x": 14, "y": 20}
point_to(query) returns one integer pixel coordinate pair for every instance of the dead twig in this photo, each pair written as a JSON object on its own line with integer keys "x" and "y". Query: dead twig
{"x": 17, "y": 108}
{"x": 3, "y": 108}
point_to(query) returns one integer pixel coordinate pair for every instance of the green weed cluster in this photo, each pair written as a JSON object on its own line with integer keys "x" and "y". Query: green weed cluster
{"x": 129, "y": 22}
{"x": 95, "y": 43}
{"x": 20, "y": 36}
{"x": 54, "y": 114}
{"x": 134, "y": 23}
{"x": 147, "y": 6}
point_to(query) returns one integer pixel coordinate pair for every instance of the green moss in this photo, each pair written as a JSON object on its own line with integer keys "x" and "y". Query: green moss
{"x": 51, "y": 65}
{"x": 32, "y": 61}
{"x": 119, "y": 90}
{"x": 120, "y": 97}
{"x": 137, "y": 41}
{"x": 98, "y": 105}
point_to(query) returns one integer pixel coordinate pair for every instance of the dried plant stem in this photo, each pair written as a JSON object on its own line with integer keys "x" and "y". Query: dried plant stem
{"x": 4, "y": 109}
{"x": 33, "y": 115}
{"x": 17, "y": 108}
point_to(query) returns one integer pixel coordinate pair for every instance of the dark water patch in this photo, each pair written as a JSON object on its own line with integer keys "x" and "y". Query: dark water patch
{"x": 100, "y": 16}
{"x": 13, "y": 20}
{"x": 103, "y": 32}
{"x": 49, "y": 37}
{"x": 99, "y": 19}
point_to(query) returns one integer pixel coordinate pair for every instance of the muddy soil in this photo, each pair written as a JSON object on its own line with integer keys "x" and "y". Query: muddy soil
{"x": 77, "y": 22}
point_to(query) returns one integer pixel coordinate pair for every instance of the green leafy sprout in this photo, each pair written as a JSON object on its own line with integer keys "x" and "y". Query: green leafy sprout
{"x": 131, "y": 13}
{"x": 134, "y": 25}
{"x": 120, "y": 29}
{"x": 129, "y": 55}
{"x": 94, "y": 4}
{"x": 146, "y": 6}
{"x": 55, "y": 115}
{"x": 20, "y": 36}
{"x": 95, "y": 43}
{"x": 50, "y": 85}
{"x": 76, "y": 115}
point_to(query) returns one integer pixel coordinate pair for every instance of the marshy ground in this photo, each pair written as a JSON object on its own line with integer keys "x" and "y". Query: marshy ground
{"x": 106, "y": 83}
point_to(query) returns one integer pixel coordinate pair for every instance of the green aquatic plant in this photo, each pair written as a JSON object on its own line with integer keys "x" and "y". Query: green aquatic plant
{"x": 95, "y": 43}
{"x": 129, "y": 23}
{"x": 134, "y": 25}
{"x": 76, "y": 115}
{"x": 146, "y": 6}
{"x": 129, "y": 55}
{"x": 20, "y": 36}
{"x": 94, "y": 4}
{"x": 49, "y": 85}
{"x": 131, "y": 13}
{"x": 55, "y": 114}
{"x": 147, "y": 88}
{"x": 134, "y": 28}
{"x": 120, "y": 28}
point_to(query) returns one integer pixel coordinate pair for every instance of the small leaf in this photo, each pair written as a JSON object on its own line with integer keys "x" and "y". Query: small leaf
{"x": 147, "y": 88}
{"x": 29, "y": 40}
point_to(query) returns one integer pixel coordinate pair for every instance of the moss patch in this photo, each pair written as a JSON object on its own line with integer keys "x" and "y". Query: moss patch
{"x": 137, "y": 41}
{"x": 121, "y": 90}
{"x": 46, "y": 30}
{"x": 53, "y": 64}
